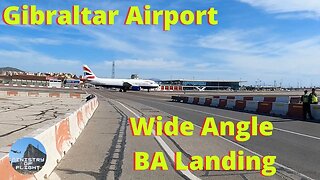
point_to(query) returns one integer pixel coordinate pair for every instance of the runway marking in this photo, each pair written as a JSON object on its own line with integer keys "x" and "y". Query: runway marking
{"x": 279, "y": 129}
{"x": 164, "y": 146}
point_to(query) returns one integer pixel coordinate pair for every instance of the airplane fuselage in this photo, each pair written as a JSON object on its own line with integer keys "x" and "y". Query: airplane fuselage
{"x": 123, "y": 83}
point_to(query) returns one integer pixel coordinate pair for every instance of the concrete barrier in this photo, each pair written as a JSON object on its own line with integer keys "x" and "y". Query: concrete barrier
{"x": 202, "y": 100}
{"x": 195, "y": 100}
{"x": 269, "y": 99}
{"x": 295, "y": 111}
{"x": 240, "y": 105}
{"x": 222, "y": 103}
{"x": 75, "y": 95}
{"x": 231, "y": 103}
{"x": 12, "y": 93}
{"x": 264, "y": 107}
{"x": 54, "y": 94}
{"x": 215, "y": 102}
{"x": 190, "y": 100}
{"x": 33, "y": 94}
{"x": 279, "y": 108}
{"x": 208, "y": 101}
{"x": 258, "y": 98}
{"x": 295, "y": 99}
{"x": 223, "y": 97}
{"x": 248, "y": 98}
{"x": 185, "y": 99}
{"x": 239, "y": 97}
{"x": 251, "y": 106}
{"x": 315, "y": 111}
{"x": 57, "y": 140}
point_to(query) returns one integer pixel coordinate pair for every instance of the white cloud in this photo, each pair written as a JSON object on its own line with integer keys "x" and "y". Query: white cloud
{"x": 240, "y": 41}
{"x": 30, "y": 61}
{"x": 266, "y": 59}
{"x": 19, "y": 40}
{"x": 301, "y": 8}
{"x": 146, "y": 64}
{"x": 231, "y": 40}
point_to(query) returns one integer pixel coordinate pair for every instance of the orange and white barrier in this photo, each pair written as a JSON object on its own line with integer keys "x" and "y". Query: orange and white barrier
{"x": 268, "y": 105}
{"x": 57, "y": 140}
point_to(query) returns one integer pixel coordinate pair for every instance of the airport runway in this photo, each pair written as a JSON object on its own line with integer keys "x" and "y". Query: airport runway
{"x": 105, "y": 149}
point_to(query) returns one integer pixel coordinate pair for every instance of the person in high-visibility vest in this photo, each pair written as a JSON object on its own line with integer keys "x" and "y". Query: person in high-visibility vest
{"x": 305, "y": 99}
{"x": 313, "y": 98}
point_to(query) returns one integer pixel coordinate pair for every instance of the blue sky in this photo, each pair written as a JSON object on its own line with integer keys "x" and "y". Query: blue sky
{"x": 255, "y": 40}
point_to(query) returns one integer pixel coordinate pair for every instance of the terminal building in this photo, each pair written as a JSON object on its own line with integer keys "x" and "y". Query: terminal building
{"x": 198, "y": 85}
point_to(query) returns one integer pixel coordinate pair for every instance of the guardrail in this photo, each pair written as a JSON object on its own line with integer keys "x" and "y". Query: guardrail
{"x": 57, "y": 140}
{"x": 274, "y": 106}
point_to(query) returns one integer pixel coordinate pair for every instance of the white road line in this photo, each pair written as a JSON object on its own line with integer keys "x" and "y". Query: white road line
{"x": 279, "y": 129}
{"x": 164, "y": 145}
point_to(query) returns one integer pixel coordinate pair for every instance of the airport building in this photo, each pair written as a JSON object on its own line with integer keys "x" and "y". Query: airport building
{"x": 200, "y": 85}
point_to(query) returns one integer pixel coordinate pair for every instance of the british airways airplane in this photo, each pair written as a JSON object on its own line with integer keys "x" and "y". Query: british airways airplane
{"x": 123, "y": 84}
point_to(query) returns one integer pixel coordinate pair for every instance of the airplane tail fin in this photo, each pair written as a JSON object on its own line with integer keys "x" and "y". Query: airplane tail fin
{"x": 88, "y": 74}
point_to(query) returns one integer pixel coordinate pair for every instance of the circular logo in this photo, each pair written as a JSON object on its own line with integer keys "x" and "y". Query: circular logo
{"x": 27, "y": 156}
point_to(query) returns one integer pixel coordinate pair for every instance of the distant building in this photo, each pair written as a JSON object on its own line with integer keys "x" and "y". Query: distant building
{"x": 40, "y": 79}
{"x": 201, "y": 85}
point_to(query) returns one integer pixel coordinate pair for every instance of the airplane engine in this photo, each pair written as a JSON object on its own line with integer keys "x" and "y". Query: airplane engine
{"x": 135, "y": 88}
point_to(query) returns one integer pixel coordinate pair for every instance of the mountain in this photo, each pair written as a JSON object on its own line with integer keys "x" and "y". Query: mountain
{"x": 10, "y": 69}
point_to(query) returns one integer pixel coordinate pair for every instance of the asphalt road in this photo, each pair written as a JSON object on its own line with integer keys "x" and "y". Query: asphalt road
{"x": 295, "y": 143}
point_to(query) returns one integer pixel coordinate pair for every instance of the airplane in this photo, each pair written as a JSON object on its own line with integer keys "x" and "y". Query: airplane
{"x": 17, "y": 152}
{"x": 123, "y": 84}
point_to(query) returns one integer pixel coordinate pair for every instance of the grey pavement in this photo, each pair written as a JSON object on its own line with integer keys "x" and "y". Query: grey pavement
{"x": 105, "y": 149}
{"x": 20, "y": 116}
